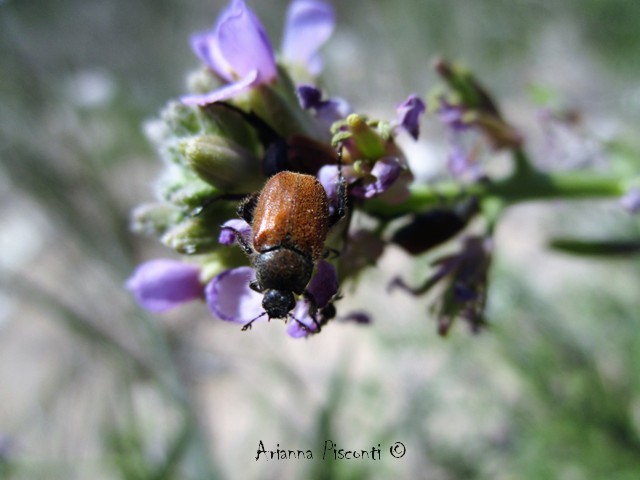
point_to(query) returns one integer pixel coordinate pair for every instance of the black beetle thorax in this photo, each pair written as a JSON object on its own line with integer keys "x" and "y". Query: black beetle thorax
{"x": 283, "y": 269}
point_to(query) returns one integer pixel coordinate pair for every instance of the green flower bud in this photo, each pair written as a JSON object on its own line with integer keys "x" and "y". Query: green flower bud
{"x": 198, "y": 232}
{"x": 223, "y": 163}
{"x": 367, "y": 139}
{"x": 154, "y": 219}
{"x": 183, "y": 188}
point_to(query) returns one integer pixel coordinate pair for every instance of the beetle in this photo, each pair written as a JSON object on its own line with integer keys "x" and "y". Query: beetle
{"x": 289, "y": 219}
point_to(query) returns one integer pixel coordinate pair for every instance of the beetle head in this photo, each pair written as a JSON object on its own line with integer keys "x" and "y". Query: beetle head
{"x": 278, "y": 303}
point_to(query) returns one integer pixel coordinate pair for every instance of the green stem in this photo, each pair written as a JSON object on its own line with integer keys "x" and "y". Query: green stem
{"x": 524, "y": 186}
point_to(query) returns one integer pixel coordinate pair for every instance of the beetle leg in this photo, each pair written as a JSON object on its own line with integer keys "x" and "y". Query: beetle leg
{"x": 246, "y": 248}
{"x": 255, "y": 286}
{"x": 313, "y": 310}
{"x": 247, "y": 206}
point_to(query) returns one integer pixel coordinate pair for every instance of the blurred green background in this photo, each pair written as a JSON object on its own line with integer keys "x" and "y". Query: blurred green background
{"x": 92, "y": 387}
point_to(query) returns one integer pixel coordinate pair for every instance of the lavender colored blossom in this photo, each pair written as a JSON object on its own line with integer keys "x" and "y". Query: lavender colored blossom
{"x": 327, "y": 111}
{"x": 309, "y": 25}
{"x": 409, "y": 113}
{"x": 160, "y": 285}
{"x": 230, "y": 230}
{"x": 322, "y": 287}
{"x": 238, "y": 50}
{"x": 385, "y": 171}
{"x": 328, "y": 177}
{"x": 463, "y": 278}
{"x": 230, "y": 297}
{"x": 383, "y": 177}
{"x": 453, "y": 117}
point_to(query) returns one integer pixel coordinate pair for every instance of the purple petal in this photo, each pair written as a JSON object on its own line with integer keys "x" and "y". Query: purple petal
{"x": 631, "y": 200}
{"x": 328, "y": 177}
{"x": 228, "y": 236}
{"x": 309, "y": 25}
{"x": 328, "y": 111}
{"x": 452, "y": 116}
{"x": 244, "y": 45}
{"x": 332, "y": 110}
{"x": 301, "y": 315}
{"x": 230, "y": 298}
{"x": 163, "y": 284}
{"x": 323, "y": 287}
{"x": 324, "y": 284}
{"x": 458, "y": 160}
{"x": 386, "y": 171}
{"x": 409, "y": 113}
{"x": 309, "y": 96}
{"x": 205, "y": 46}
{"x": 224, "y": 93}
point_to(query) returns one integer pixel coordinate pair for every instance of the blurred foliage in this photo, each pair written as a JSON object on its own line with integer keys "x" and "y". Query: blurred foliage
{"x": 551, "y": 391}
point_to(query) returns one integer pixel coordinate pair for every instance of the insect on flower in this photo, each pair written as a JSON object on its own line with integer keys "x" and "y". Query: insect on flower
{"x": 289, "y": 219}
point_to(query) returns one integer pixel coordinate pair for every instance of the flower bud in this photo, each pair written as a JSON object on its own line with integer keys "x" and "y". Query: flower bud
{"x": 153, "y": 219}
{"x": 198, "y": 233}
{"x": 181, "y": 187}
{"x": 367, "y": 140}
{"x": 223, "y": 163}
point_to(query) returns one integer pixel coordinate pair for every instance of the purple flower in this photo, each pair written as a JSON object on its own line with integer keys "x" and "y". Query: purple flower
{"x": 383, "y": 177}
{"x": 631, "y": 200}
{"x": 328, "y": 177}
{"x": 309, "y": 25}
{"x": 238, "y": 50}
{"x": 463, "y": 278}
{"x": 230, "y": 298}
{"x": 453, "y": 117}
{"x": 235, "y": 226}
{"x": 327, "y": 111}
{"x": 409, "y": 113}
{"x": 462, "y": 162}
{"x": 385, "y": 172}
{"x": 160, "y": 285}
{"x": 322, "y": 287}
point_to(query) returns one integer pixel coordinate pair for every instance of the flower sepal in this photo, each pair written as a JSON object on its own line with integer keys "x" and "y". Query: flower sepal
{"x": 223, "y": 163}
{"x": 279, "y": 106}
{"x": 194, "y": 234}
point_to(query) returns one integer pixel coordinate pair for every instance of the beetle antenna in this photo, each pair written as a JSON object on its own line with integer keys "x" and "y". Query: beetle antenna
{"x": 342, "y": 191}
{"x": 247, "y": 326}
{"x": 305, "y": 327}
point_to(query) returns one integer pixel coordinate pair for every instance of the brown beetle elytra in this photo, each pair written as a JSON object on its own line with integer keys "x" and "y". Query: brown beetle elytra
{"x": 289, "y": 221}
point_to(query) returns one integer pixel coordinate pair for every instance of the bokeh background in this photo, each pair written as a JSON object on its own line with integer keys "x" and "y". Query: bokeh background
{"x": 92, "y": 387}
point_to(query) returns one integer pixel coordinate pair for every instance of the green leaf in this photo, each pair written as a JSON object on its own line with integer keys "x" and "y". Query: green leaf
{"x": 596, "y": 248}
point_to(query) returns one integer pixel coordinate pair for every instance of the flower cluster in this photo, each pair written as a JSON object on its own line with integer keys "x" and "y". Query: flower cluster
{"x": 251, "y": 114}
{"x": 265, "y": 173}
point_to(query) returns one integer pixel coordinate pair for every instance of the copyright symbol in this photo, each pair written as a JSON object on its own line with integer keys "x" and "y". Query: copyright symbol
{"x": 397, "y": 450}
